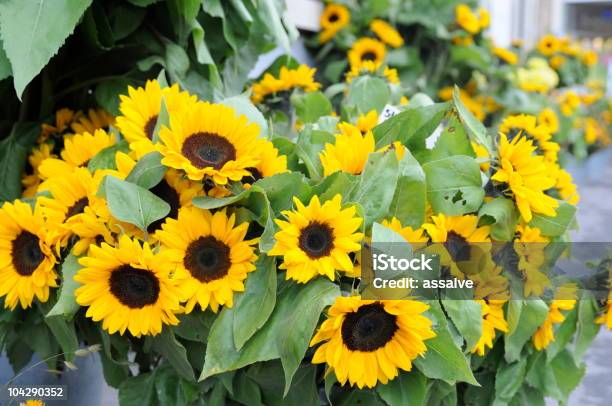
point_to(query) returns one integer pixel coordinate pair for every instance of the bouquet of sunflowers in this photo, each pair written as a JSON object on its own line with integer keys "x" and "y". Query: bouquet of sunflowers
{"x": 205, "y": 235}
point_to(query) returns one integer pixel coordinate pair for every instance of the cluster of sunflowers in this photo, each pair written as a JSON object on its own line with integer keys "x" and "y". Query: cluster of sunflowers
{"x": 206, "y": 239}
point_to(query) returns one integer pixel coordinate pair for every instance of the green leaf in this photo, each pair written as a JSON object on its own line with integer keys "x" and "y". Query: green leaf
{"x": 558, "y": 225}
{"x": 177, "y": 61}
{"x": 533, "y": 314}
{"x": 148, "y": 171}
{"x": 454, "y": 185}
{"x": 444, "y": 359}
{"x": 309, "y": 107}
{"x": 66, "y": 304}
{"x": 105, "y": 159}
{"x": 254, "y": 306}
{"x": 285, "y": 335}
{"x": 509, "y": 379}
{"x": 567, "y": 373}
{"x": 167, "y": 345}
{"x": 138, "y": 390}
{"x": 309, "y": 144}
{"x": 411, "y": 127}
{"x": 243, "y": 106}
{"x": 134, "y": 204}
{"x": 281, "y": 188}
{"x": 5, "y": 64}
{"x": 171, "y": 389}
{"x": 271, "y": 15}
{"x": 586, "y": 328}
{"x": 409, "y": 388}
{"x": 33, "y": 31}
{"x": 63, "y": 331}
{"x": 504, "y": 216}
{"x": 408, "y": 203}
{"x": 376, "y": 186}
{"x": 13, "y": 154}
{"x": 368, "y": 93}
{"x": 303, "y": 390}
{"x": 206, "y": 202}
{"x": 336, "y": 183}
{"x": 143, "y": 3}
{"x": 452, "y": 141}
{"x": 466, "y": 315}
{"x": 475, "y": 128}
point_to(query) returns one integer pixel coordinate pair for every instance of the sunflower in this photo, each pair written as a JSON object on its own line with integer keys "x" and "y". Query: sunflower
{"x": 367, "y": 122}
{"x": 492, "y": 320}
{"x": 466, "y": 19}
{"x": 373, "y": 68}
{"x": 32, "y": 402}
{"x": 529, "y": 245}
{"x": 556, "y": 61}
{"x": 300, "y": 78}
{"x": 416, "y": 238}
{"x": 589, "y": 58}
{"x": 63, "y": 119}
{"x": 71, "y": 194}
{"x": 526, "y": 175}
{"x": 549, "y": 118}
{"x": 333, "y": 19}
{"x": 317, "y": 239}
{"x": 605, "y": 317}
{"x": 564, "y": 300}
{"x": 36, "y": 157}
{"x": 129, "y": 287}
{"x": 540, "y": 135}
{"x": 78, "y": 150}
{"x": 174, "y": 188}
{"x": 490, "y": 283}
{"x": 211, "y": 141}
{"x": 456, "y": 231}
{"x": 366, "y": 49}
{"x": 213, "y": 252}
{"x": 26, "y": 259}
{"x": 566, "y": 187}
{"x": 484, "y": 19}
{"x": 271, "y": 163}
{"x": 349, "y": 153}
{"x": 386, "y": 33}
{"x": 548, "y": 45}
{"x": 94, "y": 120}
{"x": 140, "y": 109}
{"x": 366, "y": 341}
{"x": 505, "y": 55}
{"x": 569, "y": 103}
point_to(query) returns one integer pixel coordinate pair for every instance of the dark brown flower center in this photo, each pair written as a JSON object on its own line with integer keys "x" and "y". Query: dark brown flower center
{"x": 255, "y": 175}
{"x": 333, "y": 18}
{"x": 169, "y": 195}
{"x": 133, "y": 287}
{"x": 369, "y": 328}
{"x": 368, "y": 56}
{"x": 77, "y": 208}
{"x": 207, "y": 259}
{"x": 26, "y": 253}
{"x": 316, "y": 239}
{"x": 208, "y": 150}
{"x": 457, "y": 246}
{"x": 149, "y": 127}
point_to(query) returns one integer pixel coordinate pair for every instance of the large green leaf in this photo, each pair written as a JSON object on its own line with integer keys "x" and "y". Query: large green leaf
{"x": 376, "y": 186}
{"x": 309, "y": 144}
{"x": 444, "y": 359}
{"x": 368, "y": 93}
{"x": 475, "y": 128}
{"x": 148, "y": 171}
{"x": 466, "y": 315}
{"x": 532, "y": 316}
{"x": 411, "y": 127}
{"x": 33, "y": 31}
{"x": 309, "y": 107}
{"x": 586, "y": 328}
{"x": 285, "y": 335}
{"x": 558, "y": 225}
{"x": 13, "y": 154}
{"x": 243, "y": 106}
{"x": 504, "y": 216}
{"x": 105, "y": 159}
{"x": 408, "y": 203}
{"x": 5, "y": 64}
{"x": 138, "y": 390}
{"x": 134, "y": 204}
{"x": 254, "y": 306}
{"x": 454, "y": 185}
{"x": 508, "y": 380}
{"x": 167, "y": 345}
{"x": 407, "y": 389}
{"x": 66, "y": 304}
{"x": 453, "y": 140}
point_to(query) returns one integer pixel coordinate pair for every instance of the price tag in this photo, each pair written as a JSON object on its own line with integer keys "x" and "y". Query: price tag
{"x": 388, "y": 112}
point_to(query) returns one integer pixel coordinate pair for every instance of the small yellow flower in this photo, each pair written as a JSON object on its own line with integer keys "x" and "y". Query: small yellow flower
{"x": 467, "y": 19}
{"x": 333, "y": 19}
{"x": 548, "y": 45}
{"x": 386, "y": 33}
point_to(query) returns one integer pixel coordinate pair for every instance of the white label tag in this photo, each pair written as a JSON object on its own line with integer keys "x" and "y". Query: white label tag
{"x": 388, "y": 112}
